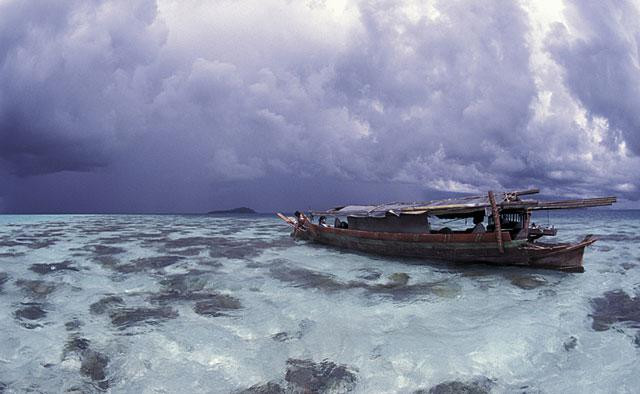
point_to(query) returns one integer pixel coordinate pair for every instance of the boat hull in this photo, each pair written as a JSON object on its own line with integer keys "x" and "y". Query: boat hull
{"x": 458, "y": 248}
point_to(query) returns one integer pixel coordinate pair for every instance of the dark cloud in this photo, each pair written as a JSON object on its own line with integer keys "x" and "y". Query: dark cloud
{"x": 68, "y": 68}
{"x": 601, "y": 60}
{"x": 165, "y": 106}
{"x": 441, "y": 95}
{"x": 31, "y": 149}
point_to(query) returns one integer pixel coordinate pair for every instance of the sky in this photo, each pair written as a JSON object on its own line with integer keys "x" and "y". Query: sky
{"x": 191, "y": 105}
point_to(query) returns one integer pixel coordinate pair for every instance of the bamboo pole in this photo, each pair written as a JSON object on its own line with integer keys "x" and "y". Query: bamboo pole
{"x": 496, "y": 221}
{"x": 572, "y": 204}
{"x": 526, "y": 192}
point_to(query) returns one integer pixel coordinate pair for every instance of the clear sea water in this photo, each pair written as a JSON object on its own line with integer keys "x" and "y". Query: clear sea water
{"x": 222, "y": 304}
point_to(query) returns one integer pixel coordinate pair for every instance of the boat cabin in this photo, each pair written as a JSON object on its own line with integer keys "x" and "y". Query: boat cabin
{"x": 513, "y": 221}
{"x": 390, "y": 223}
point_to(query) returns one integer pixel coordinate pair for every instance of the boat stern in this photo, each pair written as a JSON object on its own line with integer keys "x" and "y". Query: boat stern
{"x": 567, "y": 257}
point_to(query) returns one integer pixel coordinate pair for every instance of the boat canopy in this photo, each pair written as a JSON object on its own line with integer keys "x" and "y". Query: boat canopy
{"x": 464, "y": 206}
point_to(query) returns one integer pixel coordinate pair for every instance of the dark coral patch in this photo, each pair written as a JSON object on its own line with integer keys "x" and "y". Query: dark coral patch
{"x": 221, "y": 247}
{"x": 169, "y": 296}
{"x": 103, "y": 250}
{"x": 308, "y": 279}
{"x": 30, "y": 311}
{"x": 53, "y": 232}
{"x": 190, "y": 242}
{"x": 105, "y": 304}
{"x": 570, "y": 343}
{"x": 36, "y": 288}
{"x": 401, "y": 290}
{"x": 32, "y": 242}
{"x": 628, "y": 266}
{"x": 11, "y": 254}
{"x": 216, "y": 305}
{"x": 282, "y": 337}
{"x": 527, "y": 282}
{"x": 76, "y": 344}
{"x": 116, "y": 239}
{"x": 194, "y": 280}
{"x": 397, "y": 279}
{"x": 93, "y": 366}
{"x": 189, "y": 252}
{"x": 7, "y": 243}
{"x": 54, "y": 267}
{"x": 397, "y": 285}
{"x": 191, "y": 286}
{"x": 73, "y": 325}
{"x": 148, "y": 263}
{"x": 307, "y": 376}
{"x": 232, "y": 250}
{"x": 480, "y": 385}
{"x": 41, "y": 243}
{"x": 129, "y": 317}
{"x": 210, "y": 264}
{"x": 264, "y": 388}
{"x": 121, "y": 238}
{"x": 615, "y": 307}
{"x": 109, "y": 262}
{"x": 369, "y": 274}
{"x": 4, "y": 277}
{"x": 100, "y": 227}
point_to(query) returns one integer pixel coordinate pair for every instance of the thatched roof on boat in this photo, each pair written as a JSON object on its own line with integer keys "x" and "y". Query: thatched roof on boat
{"x": 464, "y": 205}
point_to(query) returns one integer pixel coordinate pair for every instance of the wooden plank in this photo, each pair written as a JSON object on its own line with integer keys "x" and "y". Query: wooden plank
{"x": 496, "y": 221}
{"x": 526, "y": 192}
{"x": 286, "y": 219}
{"x": 572, "y": 204}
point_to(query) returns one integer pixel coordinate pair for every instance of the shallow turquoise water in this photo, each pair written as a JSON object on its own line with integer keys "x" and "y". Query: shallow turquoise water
{"x": 165, "y": 303}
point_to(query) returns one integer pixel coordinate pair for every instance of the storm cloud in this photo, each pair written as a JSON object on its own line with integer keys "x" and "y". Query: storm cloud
{"x": 602, "y": 66}
{"x": 185, "y": 106}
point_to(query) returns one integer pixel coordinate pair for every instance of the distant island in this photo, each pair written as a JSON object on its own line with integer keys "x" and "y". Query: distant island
{"x": 244, "y": 210}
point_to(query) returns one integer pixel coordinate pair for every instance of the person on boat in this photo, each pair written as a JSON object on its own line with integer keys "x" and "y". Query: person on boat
{"x": 479, "y": 227}
{"x": 340, "y": 224}
{"x": 322, "y": 221}
{"x": 300, "y": 218}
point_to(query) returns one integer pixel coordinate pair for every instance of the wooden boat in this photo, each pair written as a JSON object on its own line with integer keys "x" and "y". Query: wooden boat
{"x": 404, "y": 230}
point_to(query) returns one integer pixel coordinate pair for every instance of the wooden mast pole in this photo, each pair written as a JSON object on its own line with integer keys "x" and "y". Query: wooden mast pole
{"x": 496, "y": 221}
